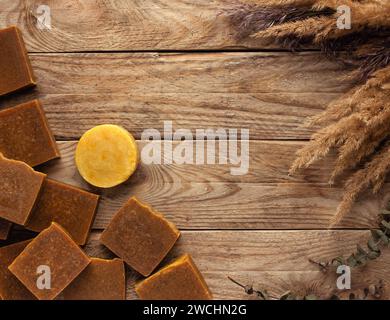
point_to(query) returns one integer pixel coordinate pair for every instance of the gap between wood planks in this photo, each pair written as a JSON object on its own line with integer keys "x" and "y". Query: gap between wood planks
{"x": 205, "y": 51}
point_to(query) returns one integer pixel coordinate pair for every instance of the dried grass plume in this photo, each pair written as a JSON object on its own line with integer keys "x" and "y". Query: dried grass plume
{"x": 357, "y": 125}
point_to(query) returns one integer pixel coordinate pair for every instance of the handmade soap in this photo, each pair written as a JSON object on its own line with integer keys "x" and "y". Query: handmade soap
{"x": 10, "y": 287}
{"x": 5, "y": 228}
{"x": 101, "y": 280}
{"x": 19, "y": 189}
{"x": 180, "y": 280}
{"x": 15, "y": 68}
{"x": 25, "y": 134}
{"x": 140, "y": 236}
{"x": 106, "y": 156}
{"x": 72, "y": 208}
{"x": 57, "y": 254}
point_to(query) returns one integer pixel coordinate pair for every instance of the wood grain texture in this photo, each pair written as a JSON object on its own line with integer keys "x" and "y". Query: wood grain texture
{"x": 272, "y": 94}
{"x": 108, "y": 25}
{"x": 202, "y": 197}
{"x": 274, "y": 260}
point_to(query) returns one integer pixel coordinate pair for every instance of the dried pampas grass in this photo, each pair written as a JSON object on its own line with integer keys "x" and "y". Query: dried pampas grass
{"x": 373, "y": 175}
{"x": 357, "y": 124}
{"x": 367, "y": 15}
{"x": 360, "y": 129}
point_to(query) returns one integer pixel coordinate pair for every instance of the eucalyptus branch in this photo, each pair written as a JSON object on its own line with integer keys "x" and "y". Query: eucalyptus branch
{"x": 249, "y": 290}
{"x": 380, "y": 238}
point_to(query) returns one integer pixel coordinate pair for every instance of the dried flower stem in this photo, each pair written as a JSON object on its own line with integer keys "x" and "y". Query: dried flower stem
{"x": 357, "y": 124}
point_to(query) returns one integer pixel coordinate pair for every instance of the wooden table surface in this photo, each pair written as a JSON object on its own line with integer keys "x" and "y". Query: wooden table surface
{"x": 138, "y": 63}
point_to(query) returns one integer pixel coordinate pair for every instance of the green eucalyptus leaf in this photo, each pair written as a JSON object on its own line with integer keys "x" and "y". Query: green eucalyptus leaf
{"x": 383, "y": 237}
{"x": 361, "y": 251}
{"x": 372, "y": 255}
{"x": 375, "y": 235}
{"x": 351, "y": 261}
{"x": 339, "y": 261}
{"x": 362, "y": 261}
{"x": 372, "y": 245}
{"x": 386, "y": 224}
{"x": 385, "y": 212}
{"x": 285, "y": 295}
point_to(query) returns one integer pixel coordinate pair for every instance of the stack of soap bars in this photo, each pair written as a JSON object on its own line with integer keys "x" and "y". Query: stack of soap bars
{"x": 62, "y": 216}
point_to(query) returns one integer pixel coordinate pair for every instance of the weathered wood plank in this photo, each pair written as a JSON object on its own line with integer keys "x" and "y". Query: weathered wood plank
{"x": 95, "y": 25}
{"x": 208, "y": 198}
{"x": 242, "y": 206}
{"x": 269, "y": 162}
{"x": 274, "y": 260}
{"x": 272, "y": 94}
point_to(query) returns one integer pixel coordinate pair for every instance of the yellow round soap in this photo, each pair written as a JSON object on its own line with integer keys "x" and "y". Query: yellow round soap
{"x": 107, "y": 155}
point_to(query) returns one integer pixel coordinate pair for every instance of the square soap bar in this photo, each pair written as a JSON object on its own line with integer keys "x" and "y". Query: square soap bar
{"x": 19, "y": 189}
{"x": 57, "y": 254}
{"x": 15, "y": 68}
{"x": 101, "y": 280}
{"x": 10, "y": 287}
{"x": 180, "y": 280}
{"x": 5, "y": 228}
{"x": 140, "y": 236}
{"x": 25, "y": 134}
{"x": 72, "y": 208}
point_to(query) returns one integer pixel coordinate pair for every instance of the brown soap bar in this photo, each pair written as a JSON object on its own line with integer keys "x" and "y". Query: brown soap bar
{"x": 180, "y": 280}
{"x": 101, "y": 280}
{"x": 53, "y": 248}
{"x": 140, "y": 236}
{"x": 5, "y": 228}
{"x": 19, "y": 189}
{"x": 72, "y": 208}
{"x": 10, "y": 287}
{"x": 15, "y": 68}
{"x": 25, "y": 134}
